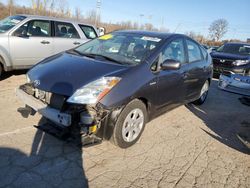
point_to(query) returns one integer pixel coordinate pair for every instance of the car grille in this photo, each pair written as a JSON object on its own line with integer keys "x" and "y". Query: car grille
{"x": 53, "y": 100}
{"x": 227, "y": 63}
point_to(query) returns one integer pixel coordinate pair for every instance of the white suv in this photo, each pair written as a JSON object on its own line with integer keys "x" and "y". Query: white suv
{"x": 27, "y": 39}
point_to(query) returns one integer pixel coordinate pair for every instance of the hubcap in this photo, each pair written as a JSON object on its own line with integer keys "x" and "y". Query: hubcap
{"x": 204, "y": 91}
{"x": 132, "y": 125}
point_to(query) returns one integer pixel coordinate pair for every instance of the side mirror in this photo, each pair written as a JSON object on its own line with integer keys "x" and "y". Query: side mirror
{"x": 170, "y": 64}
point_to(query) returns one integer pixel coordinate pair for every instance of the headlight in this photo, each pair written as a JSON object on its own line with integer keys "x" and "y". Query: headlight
{"x": 240, "y": 62}
{"x": 94, "y": 91}
{"x": 27, "y": 78}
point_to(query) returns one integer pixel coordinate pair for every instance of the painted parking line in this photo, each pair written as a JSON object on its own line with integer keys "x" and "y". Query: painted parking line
{"x": 22, "y": 130}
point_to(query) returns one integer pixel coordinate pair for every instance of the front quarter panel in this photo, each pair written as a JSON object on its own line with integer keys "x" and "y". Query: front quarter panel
{"x": 134, "y": 84}
{"x": 4, "y": 51}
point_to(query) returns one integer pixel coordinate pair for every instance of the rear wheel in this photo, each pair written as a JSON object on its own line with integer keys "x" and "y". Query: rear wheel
{"x": 203, "y": 94}
{"x": 130, "y": 124}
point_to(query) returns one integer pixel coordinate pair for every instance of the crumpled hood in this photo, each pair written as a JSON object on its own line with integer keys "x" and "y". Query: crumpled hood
{"x": 221, "y": 55}
{"x": 64, "y": 73}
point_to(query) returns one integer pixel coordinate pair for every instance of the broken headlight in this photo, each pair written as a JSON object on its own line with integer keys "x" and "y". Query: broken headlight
{"x": 94, "y": 91}
{"x": 240, "y": 62}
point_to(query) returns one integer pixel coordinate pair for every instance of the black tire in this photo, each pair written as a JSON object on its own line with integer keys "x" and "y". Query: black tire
{"x": 117, "y": 137}
{"x": 1, "y": 70}
{"x": 203, "y": 96}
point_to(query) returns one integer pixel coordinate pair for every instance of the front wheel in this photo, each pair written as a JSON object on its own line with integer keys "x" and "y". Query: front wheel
{"x": 130, "y": 124}
{"x": 203, "y": 94}
{"x": 1, "y": 70}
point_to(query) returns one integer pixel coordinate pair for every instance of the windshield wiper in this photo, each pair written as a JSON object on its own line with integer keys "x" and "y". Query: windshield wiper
{"x": 103, "y": 56}
{"x": 73, "y": 51}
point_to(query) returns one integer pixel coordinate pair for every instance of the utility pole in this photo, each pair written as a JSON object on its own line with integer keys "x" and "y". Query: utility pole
{"x": 140, "y": 21}
{"x": 97, "y": 12}
{"x": 177, "y": 27}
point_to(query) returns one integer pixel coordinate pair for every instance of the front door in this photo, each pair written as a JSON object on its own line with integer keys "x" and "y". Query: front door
{"x": 31, "y": 43}
{"x": 170, "y": 90}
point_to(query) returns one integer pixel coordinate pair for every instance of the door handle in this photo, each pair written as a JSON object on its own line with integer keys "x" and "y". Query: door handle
{"x": 76, "y": 43}
{"x": 152, "y": 83}
{"x": 45, "y": 42}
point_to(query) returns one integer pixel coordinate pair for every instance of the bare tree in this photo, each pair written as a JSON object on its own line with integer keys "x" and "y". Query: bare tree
{"x": 198, "y": 37}
{"x": 149, "y": 26}
{"x": 164, "y": 29}
{"x": 91, "y": 17}
{"x": 11, "y": 6}
{"x": 218, "y": 29}
{"x": 51, "y": 7}
{"x": 78, "y": 13}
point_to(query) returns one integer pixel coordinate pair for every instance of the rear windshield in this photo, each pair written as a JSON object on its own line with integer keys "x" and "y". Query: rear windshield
{"x": 9, "y": 22}
{"x": 239, "y": 49}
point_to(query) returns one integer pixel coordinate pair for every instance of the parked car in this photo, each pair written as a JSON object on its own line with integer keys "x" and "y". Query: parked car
{"x": 27, "y": 39}
{"x": 235, "y": 83}
{"x": 232, "y": 58}
{"x": 111, "y": 94}
{"x": 212, "y": 49}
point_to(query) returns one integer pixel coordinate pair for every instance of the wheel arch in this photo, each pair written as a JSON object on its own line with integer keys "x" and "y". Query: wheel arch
{"x": 109, "y": 122}
{"x": 209, "y": 80}
{"x": 5, "y": 59}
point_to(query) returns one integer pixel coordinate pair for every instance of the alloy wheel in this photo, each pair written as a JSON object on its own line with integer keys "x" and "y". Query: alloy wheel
{"x": 132, "y": 125}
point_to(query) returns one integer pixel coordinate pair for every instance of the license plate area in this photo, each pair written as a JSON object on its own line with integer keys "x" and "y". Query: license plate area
{"x": 53, "y": 100}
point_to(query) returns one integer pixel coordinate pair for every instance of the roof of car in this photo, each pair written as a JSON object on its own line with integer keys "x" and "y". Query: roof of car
{"x": 149, "y": 33}
{"x": 53, "y": 18}
{"x": 239, "y": 43}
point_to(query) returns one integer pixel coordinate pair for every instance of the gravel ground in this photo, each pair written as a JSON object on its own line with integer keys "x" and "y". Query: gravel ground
{"x": 187, "y": 147}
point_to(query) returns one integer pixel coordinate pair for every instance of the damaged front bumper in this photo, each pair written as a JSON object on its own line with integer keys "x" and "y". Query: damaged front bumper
{"x": 88, "y": 122}
{"x": 235, "y": 83}
{"x": 52, "y": 114}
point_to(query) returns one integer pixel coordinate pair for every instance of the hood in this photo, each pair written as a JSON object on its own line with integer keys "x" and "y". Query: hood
{"x": 221, "y": 55}
{"x": 65, "y": 73}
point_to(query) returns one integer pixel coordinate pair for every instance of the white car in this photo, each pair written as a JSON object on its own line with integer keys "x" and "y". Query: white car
{"x": 27, "y": 39}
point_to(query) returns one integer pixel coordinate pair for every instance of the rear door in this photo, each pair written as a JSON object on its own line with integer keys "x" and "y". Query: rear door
{"x": 66, "y": 36}
{"x": 194, "y": 71}
{"x": 31, "y": 43}
{"x": 170, "y": 89}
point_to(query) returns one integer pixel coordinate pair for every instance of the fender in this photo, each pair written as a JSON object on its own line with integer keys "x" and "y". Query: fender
{"x": 107, "y": 123}
{"x": 5, "y": 59}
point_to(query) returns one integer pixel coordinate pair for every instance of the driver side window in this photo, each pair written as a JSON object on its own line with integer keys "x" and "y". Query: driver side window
{"x": 34, "y": 28}
{"x": 174, "y": 51}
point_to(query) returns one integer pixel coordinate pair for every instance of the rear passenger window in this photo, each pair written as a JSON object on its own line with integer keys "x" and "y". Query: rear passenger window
{"x": 194, "y": 52}
{"x": 204, "y": 53}
{"x": 65, "y": 30}
{"x": 88, "y": 31}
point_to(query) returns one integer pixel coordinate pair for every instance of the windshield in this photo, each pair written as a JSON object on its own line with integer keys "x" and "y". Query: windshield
{"x": 239, "y": 49}
{"x": 121, "y": 48}
{"x": 9, "y": 22}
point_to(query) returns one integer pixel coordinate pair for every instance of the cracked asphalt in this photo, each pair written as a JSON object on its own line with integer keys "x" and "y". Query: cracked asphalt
{"x": 187, "y": 147}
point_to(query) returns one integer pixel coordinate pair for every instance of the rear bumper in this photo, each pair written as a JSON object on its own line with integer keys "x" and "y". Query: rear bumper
{"x": 52, "y": 114}
{"x": 235, "y": 83}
